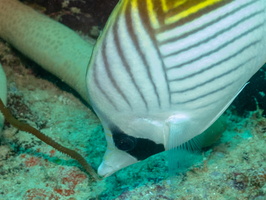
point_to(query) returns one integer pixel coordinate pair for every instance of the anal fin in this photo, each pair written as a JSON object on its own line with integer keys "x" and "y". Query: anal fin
{"x": 181, "y": 155}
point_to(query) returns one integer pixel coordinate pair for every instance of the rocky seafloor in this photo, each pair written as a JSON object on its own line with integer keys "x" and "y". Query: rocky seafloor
{"x": 233, "y": 168}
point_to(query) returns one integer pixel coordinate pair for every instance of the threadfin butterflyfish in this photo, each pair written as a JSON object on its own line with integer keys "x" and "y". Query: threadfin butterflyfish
{"x": 163, "y": 71}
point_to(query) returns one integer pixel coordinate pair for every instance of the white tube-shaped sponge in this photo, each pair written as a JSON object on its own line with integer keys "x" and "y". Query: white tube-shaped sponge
{"x": 52, "y": 45}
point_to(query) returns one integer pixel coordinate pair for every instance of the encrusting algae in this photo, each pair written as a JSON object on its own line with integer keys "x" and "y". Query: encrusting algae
{"x": 25, "y": 127}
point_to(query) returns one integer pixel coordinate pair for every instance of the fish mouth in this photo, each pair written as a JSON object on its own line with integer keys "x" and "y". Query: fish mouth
{"x": 105, "y": 170}
{"x": 113, "y": 161}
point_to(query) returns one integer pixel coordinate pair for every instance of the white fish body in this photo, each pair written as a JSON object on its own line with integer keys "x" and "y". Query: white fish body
{"x": 166, "y": 70}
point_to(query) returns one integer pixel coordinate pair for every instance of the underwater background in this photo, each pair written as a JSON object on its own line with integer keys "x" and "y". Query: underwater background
{"x": 233, "y": 168}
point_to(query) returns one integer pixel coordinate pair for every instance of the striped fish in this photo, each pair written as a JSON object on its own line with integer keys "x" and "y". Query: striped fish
{"x": 164, "y": 70}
